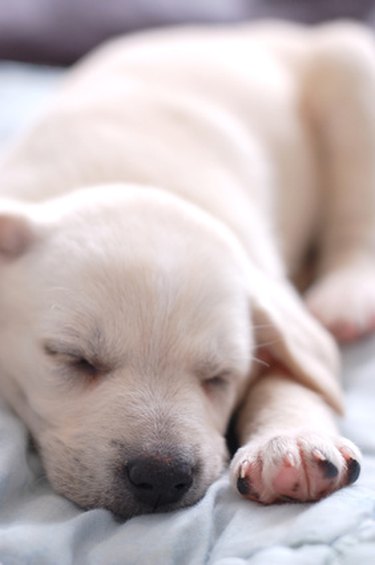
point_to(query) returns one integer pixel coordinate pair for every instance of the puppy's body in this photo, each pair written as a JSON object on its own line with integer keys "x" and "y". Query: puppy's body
{"x": 245, "y": 134}
{"x": 227, "y": 99}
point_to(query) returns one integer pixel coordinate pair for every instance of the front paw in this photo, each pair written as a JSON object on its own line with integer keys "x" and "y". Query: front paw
{"x": 294, "y": 467}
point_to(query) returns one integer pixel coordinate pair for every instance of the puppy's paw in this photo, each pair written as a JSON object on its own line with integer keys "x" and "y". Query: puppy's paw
{"x": 344, "y": 301}
{"x": 304, "y": 467}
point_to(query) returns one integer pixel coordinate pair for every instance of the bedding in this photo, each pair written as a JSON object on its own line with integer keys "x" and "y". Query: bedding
{"x": 39, "y": 527}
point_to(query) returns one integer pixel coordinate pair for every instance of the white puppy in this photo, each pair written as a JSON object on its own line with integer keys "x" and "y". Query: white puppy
{"x": 149, "y": 229}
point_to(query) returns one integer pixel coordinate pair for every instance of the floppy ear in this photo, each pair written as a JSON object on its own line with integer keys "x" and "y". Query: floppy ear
{"x": 16, "y": 230}
{"x": 289, "y": 336}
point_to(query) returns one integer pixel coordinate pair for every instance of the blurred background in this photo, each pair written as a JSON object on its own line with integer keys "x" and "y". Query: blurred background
{"x": 43, "y": 36}
{"x": 60, "y": 31}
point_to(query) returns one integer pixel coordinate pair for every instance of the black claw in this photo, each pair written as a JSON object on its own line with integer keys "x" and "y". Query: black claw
{"x": 330, "y": 471}
{"x": 243, "y": 485}
{"x": 354, "y": 470}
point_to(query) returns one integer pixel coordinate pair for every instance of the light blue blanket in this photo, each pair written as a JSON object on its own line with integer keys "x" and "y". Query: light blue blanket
{"x": 37, "y": 527}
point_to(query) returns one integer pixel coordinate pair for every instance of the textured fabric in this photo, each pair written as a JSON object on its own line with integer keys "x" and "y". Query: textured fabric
{"x": 38, "y": 527}
{"x": 60, "y": 31}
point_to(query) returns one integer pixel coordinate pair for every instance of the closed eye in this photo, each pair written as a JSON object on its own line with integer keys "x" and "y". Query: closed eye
{"x": 75, "y": 361}
{"x": 216, "y": 381}
{"x": 83, "y": 366}
{"x": 212, "y": 375}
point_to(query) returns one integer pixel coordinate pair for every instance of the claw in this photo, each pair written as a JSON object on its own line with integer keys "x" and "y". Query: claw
{"x": 289, "y": 459}
{"x": 244, "y": 467}
{"x": 243, "y": 486}
{"x": 348, "y": 453}
{"x": 354, "y": 470}
{"x": 243, "y": 483}
{"x": 319, "y": 455}
{"x": 330, "y": 471}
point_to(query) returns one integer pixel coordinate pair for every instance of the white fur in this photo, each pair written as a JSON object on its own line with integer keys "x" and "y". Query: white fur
{"x": 162, "y": 206}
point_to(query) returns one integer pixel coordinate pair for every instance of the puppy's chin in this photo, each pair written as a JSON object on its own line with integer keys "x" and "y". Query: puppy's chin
{"x": 124, "y": 506}
{"x": 119, "y": 500}
{"x": 92, "y": 480}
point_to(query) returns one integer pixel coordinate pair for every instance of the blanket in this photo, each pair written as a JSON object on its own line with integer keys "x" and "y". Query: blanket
{"x": 38, "y": 527}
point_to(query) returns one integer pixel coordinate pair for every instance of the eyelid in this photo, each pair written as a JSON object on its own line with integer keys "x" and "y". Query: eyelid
{"x": 216, "y": 380}
{"x": 209, "y": 371}
{"x": 70, "y": 356}
{"x": 63, "y": 350}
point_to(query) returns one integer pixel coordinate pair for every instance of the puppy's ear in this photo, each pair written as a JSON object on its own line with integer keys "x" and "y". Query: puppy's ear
{"x": 290, "y": 337}
{"x": 16, "y": 230}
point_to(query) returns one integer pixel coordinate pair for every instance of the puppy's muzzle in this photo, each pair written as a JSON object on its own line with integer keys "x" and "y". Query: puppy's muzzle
{"x": 157, "y": 482}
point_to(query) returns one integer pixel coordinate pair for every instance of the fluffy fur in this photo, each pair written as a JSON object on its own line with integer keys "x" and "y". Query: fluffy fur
{"x": 149, "y": 230}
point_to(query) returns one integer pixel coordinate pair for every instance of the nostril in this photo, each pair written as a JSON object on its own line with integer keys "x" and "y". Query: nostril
{"x": 146, "y": 486}
{"x": 157, "y": 481}
{"x": 180, "y": 486}
{"x": 188, "y": 481}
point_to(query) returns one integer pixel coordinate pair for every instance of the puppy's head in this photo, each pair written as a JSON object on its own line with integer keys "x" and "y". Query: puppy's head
{"x": 125, "y": 343}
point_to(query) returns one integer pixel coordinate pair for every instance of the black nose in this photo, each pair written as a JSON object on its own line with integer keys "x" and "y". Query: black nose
{"x": 158, "y": 481}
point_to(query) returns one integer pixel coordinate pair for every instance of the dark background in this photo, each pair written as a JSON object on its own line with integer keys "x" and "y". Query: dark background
{"x": 60, "y": 31}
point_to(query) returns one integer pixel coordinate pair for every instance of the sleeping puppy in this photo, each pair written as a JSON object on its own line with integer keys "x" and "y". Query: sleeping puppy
{"x": 150, "y": 228}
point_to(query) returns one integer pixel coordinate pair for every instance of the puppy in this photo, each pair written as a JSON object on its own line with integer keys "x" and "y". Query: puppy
{"x": 150, "y": 227}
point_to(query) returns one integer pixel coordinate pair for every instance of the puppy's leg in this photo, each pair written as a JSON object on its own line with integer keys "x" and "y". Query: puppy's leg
{"x": 291, "y": 449}
{"x": 340, "y": 96}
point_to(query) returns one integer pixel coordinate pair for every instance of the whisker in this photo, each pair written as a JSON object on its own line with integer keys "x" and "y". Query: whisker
{"x": 265, "y": 343}
{"x": 261, "y": 362}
